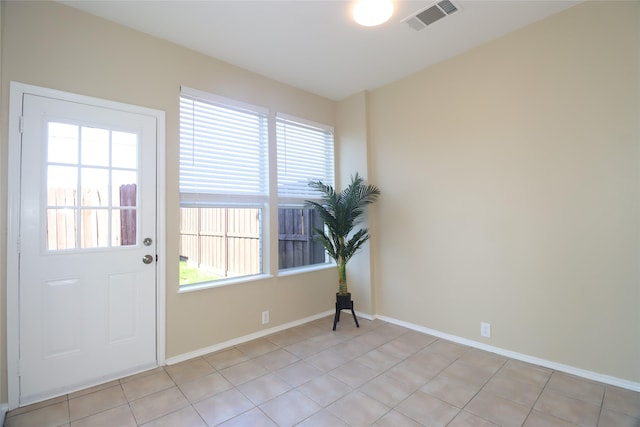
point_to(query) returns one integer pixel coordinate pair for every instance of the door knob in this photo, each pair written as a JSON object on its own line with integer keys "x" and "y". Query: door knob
{"x": 147, "y": 259}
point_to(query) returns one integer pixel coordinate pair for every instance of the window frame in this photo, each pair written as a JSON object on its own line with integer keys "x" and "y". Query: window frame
{"x": 299, "y": 201}
{"x": 232, "y": 200}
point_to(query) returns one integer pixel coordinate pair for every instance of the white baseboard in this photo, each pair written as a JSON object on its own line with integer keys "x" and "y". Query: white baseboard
{"x": 243, "y": 339}
{"x": 364, "y": 315}
{"x": 607, "y": 379}
{"x": 4, "y": 408}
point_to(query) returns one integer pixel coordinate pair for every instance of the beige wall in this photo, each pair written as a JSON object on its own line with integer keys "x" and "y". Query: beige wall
{"x": 47, "y": 44}
{"x": 512, "y": 194}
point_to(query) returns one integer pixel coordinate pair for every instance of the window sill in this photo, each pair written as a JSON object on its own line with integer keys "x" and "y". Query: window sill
{"x": 222, "y": 282}
{"x": 237, "y": 280}
{"x": 300, "y": 270}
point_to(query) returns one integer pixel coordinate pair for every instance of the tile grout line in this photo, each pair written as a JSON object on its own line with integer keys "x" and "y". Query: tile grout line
{"x": 68, "y": 410}
{"x": 479, "y": 390}
{"x": 538, "y": 398}
{"x": 604, "y": 394}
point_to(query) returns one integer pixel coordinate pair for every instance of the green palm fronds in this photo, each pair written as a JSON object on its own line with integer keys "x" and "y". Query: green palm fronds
{"x": 341, "y": 212}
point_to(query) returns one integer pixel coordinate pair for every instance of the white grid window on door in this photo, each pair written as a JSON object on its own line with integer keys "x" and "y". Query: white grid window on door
{"x": 92, "y": 181}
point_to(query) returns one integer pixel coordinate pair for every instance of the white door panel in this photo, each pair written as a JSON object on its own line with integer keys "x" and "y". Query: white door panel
{"x": 87, "y": 308}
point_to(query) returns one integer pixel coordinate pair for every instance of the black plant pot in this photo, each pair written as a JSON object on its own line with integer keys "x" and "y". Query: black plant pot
{"x": 344, "y": 302}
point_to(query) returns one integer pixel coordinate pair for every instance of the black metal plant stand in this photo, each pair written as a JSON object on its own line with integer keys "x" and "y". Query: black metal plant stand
{"x": 344, "y": 302}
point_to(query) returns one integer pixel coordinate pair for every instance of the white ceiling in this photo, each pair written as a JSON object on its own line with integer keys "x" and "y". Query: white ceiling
{"x": 314, "y": 45}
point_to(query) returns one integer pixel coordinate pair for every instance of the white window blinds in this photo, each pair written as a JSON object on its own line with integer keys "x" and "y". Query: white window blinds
{"x": 223, "y": 151}
{"x": 305, "y": 153}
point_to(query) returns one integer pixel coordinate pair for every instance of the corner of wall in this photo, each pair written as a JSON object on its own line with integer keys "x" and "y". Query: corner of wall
{"x": 352, "y": 156}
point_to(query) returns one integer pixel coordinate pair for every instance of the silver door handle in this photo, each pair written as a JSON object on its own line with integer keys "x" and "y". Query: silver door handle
{"x": 147, "y": 259}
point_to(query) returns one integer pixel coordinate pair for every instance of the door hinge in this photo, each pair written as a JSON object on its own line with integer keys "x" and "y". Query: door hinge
{"x": 21, "y": 124}
{"x": 19, "y": 368}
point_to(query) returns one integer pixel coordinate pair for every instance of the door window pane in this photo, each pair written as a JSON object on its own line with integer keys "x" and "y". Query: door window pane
{"x": 125, "y": 150}
{"x": 95, "y": 187}
{"x": 124, "y": 227}
{"x": 61, "y": 229}
{"x": 62, "y": 184}
{"x": 62, "y": 146}
{"x": 124, "y": 184}
{"x": 95, "y": 147}
{"x": 95, "y": 228}
{"x": 124, "y": 220}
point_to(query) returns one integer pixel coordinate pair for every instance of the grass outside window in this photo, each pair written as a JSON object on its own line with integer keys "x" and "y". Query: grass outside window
{"x": 191, "y": 274}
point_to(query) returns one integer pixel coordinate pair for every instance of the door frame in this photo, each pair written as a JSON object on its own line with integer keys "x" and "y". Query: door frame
{"x": 17, "y": 90}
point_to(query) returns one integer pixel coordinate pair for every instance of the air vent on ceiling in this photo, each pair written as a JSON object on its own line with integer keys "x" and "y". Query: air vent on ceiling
{"x": 425, "y": 17}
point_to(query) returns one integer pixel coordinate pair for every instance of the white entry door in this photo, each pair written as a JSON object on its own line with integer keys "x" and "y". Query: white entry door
{"x": 87, "y": 274}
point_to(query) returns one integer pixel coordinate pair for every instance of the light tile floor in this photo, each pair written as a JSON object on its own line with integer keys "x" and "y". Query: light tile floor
{"x": 378, "y": 375}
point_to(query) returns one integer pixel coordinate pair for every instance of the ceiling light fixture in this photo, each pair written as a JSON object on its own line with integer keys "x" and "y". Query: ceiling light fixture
{"x": 370, "y": 13}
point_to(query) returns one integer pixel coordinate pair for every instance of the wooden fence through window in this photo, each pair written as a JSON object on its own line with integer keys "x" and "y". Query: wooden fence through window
{"x": 63, "y": 223}
{"x": 223, "y": 241}
{"x": 296, "y": 246}
{"x": 226, "y": 241}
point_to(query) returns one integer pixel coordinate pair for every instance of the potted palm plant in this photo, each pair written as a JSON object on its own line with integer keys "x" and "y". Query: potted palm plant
{"x": 341, "y": 213}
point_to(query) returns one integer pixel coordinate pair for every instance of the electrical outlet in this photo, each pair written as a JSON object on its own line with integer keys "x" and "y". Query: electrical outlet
{"x": 485, "y": 329}
{"x": 265, "y": 317}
